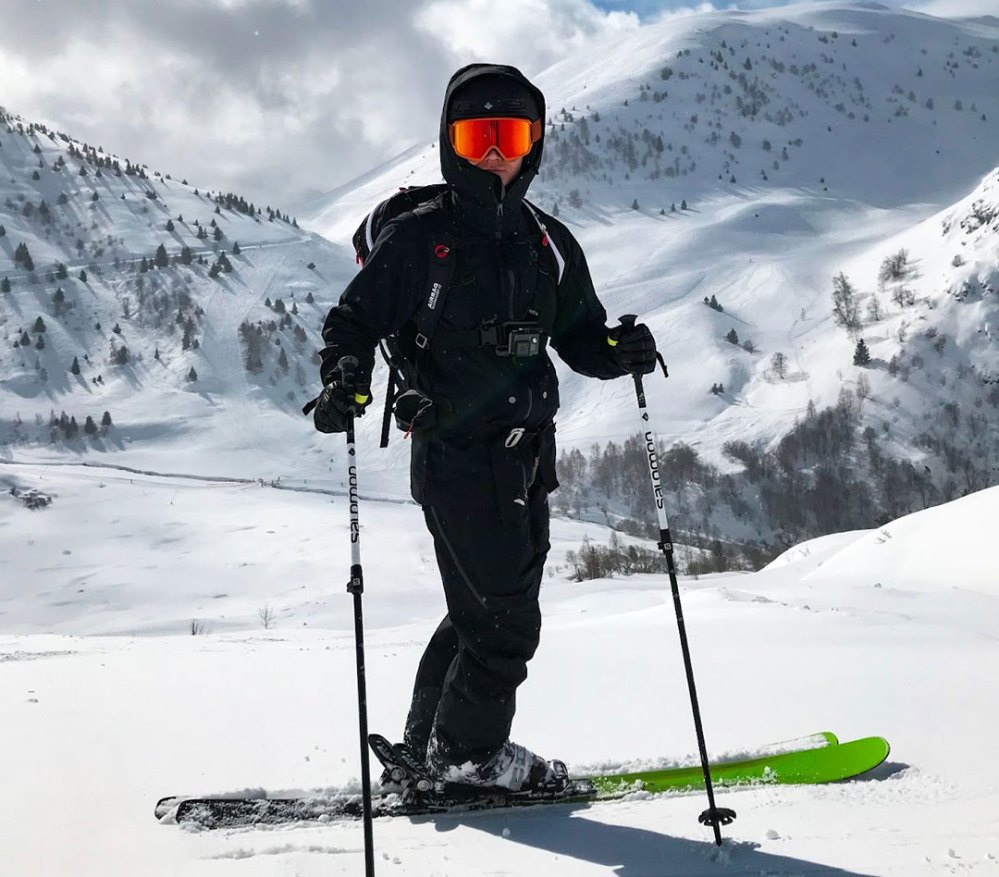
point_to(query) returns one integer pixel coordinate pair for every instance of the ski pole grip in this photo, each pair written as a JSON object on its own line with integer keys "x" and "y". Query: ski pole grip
{"x": 628, "y": 322}
{"x": 347, "y": 366}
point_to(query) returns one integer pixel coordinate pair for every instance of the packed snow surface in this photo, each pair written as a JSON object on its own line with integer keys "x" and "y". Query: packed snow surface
{"x": 107, "y": 702}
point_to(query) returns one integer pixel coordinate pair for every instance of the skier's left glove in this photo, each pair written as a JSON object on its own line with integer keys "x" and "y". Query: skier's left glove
{"x": 633, "y": 348}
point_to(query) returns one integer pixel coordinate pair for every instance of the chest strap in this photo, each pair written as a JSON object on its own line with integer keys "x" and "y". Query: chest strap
{"x": 520, "y": 340}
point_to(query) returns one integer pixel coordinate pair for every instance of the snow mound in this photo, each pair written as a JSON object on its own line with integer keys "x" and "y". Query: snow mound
{"x": 914, "y": 553}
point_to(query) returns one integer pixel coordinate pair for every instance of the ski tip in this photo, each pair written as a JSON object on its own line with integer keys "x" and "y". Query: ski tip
{"x": 166, "y": 804}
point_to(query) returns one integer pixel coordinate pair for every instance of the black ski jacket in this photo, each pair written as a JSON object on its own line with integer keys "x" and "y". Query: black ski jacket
{"x": 504, "y": 271}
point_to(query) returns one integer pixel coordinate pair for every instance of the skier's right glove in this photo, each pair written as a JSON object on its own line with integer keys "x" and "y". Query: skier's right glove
{"x": 346, "y": 393}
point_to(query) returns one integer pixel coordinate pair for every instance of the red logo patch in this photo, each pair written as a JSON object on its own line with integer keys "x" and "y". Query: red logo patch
{"x": 441, "y": 251}
{"x": 544, "y": 240}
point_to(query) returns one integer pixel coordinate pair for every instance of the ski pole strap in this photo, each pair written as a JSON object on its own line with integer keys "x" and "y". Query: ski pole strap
{"x": 389, "y": 399}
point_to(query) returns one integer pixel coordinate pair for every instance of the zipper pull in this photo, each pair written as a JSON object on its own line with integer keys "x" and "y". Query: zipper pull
{"x": 499, "y": 220}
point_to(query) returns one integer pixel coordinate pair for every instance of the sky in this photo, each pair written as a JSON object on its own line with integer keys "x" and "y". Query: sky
{"x": 280, "y": 100}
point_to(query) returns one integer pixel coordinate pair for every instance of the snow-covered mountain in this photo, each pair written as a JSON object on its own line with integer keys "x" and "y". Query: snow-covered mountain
{"x": 796, "y": 145}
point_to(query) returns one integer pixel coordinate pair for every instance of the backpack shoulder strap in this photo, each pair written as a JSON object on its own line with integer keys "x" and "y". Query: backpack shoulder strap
{"x": 546, "y": 238}
{"x": 436, "y": 220}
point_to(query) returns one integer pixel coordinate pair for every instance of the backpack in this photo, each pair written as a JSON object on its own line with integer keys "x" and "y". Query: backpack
{"x": 420, "y": 200}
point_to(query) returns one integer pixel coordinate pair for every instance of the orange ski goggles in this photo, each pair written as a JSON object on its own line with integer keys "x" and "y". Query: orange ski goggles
{"x": 513, "y": 138}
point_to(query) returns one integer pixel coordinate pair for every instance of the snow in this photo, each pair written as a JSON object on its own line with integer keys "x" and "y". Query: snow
{"x": 108, "y": 702}
{"x": 212, "y": 507}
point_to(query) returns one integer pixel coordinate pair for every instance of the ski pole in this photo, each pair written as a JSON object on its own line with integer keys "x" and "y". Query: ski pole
{"x": 356, "y": 587}
{"x": 713, "y": 816}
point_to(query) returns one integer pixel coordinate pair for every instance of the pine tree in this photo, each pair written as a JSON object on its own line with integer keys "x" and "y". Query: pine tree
{"x": 235, "y": 248}
{"x": 188, "y": 338}
{"x": 861, "y": 355}
{"x": 283, "y": 361}
{"x": 106, "y": 419}
{"x": 162, "y": 260}
{"x": 89, "y": 427}
{"x": 169, "y": 225}
{"x": 5, "y": 285}
{"x": 732, "y": 337}
{"x": 75, "y": 367}
{"x": 39, "y": 325}
{"x": 192, "y": 375}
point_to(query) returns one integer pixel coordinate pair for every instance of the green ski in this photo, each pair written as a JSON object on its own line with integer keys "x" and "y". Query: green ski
{"x": 825, "y": 764}
{"x": 825, "y": 761}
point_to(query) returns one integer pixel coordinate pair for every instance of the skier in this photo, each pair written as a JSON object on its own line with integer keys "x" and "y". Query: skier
{"x": 481, "y": 413}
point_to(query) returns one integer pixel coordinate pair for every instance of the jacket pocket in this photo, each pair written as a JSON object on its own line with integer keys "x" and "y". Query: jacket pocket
{"x": 511, "y": 468}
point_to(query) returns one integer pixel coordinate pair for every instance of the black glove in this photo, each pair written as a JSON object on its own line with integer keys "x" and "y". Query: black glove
{"x": 346, "y": 393}
{"x": 633, "y": 348}
{"x": 413, "y": 410}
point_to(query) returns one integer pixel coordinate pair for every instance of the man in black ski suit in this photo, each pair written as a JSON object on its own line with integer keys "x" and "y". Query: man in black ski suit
{"x": 483, "y": 452}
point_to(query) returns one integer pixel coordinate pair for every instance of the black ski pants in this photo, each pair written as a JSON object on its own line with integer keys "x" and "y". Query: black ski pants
{"x": 486, "y": 507}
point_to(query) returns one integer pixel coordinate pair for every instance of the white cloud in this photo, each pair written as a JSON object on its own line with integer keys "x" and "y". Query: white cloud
{"x": 268, "y": 98}
{"x": 528, "y": 34}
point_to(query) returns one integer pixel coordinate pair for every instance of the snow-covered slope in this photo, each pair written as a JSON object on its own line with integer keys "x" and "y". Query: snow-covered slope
{"x": 806, "y": 141}
{"x": 163, "y": 349}
{"x": 884, "y": 632}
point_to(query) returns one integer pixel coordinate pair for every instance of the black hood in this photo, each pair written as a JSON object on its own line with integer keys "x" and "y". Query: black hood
{"x": 484, "y": 189}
